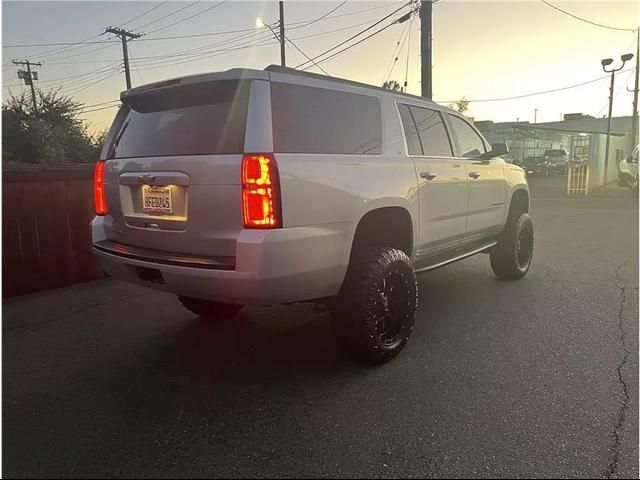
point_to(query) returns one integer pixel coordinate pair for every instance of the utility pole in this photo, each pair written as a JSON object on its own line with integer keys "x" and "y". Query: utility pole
{"x": 282, "y": 37}
{"x": 535, "y": 115}
{"x": 634, "y": 118}
{"x": 28, "y": 76}
{"x": 605, "y": 63}
{"x": 606, "y": 152}
{"x": 426, "y": 9}
{"x": 124, "y": 35}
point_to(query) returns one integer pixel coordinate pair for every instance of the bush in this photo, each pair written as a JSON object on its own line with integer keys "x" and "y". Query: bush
{"x": 53, "y": 135}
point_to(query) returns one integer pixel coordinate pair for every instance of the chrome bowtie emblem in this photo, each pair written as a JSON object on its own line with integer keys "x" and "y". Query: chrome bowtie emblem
{"x": 146, "y": 179}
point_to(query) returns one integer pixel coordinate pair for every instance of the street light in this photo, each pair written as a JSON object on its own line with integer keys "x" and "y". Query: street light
{"x": 261, "y": 24}
{"x": 605, "y": 63}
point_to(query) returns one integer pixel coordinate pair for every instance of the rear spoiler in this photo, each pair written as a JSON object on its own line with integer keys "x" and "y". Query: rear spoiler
{"x": 233, "y": 74}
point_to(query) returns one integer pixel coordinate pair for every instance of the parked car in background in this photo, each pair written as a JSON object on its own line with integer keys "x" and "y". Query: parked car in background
{"x": 252, "y": 187}
{"x": 537, "y": 166}
{"x": 628, "y": 171}
{"x": 557, "y": 159}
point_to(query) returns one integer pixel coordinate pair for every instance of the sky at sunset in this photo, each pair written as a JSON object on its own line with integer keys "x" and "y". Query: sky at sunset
{"x": 481, "y": 50}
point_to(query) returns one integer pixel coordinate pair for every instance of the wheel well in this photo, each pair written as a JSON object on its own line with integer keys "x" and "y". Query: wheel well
{"x": 384, "y": 227}
{"x": 519, "y": 201}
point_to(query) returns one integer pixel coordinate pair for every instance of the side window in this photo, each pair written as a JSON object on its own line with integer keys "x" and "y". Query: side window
{"x": 470, "y": 143}
{"x": 410, "y": 131}
{"x": 433, "y": 135}
{"x": 320, "y": 120}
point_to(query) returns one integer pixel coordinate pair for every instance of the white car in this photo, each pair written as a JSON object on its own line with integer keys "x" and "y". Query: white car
{"x": 628, "y": 171}
{"x": 262, "y": 187}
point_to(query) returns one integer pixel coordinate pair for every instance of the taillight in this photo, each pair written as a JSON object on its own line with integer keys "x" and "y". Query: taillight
{"x": 260, "y": 202}
{"x": 99, "y": 196}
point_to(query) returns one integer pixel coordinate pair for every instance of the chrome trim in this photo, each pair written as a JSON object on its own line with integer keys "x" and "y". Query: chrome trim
{"x": 164, "y": 258}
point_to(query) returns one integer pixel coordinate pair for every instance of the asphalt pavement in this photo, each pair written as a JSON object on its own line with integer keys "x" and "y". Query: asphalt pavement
{"x": 534, "y": 378}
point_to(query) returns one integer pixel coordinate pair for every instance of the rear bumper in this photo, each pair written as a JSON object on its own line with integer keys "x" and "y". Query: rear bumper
{"x": 271, "y": 267}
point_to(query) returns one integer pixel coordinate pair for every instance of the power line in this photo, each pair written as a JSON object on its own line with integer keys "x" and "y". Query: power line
{"x": 549, "y": 4}
{"x": 357, "y": 34}
{"x": 394, "y": 58}
{"x": 259, "y": 36}
{"x": 305, "y": 55}
{"x": 239, "y": 37}
{"x": 29, "y": 45}
{"x": 321, "y": 17}
{"x": 82, "y": 107}
{"x": 194, "y": 35}
{"x": 198, "y": 56}
{"x": 79, "y": 85}
{"x": 349, "y": 47}
{"x": 135, "y": 67}
{"x": 188, "y": 18}
{"x": 355, "y": 12}
{"x": 99, "y": 80}
{"x": 203, "y": 55}
{"x": 71, "y": 46}
{"x": 515, "y": 97}
{"x": 166, "y": 16}
{"x": 621, "y": 87}
{"x": 406, "y": 73}
{"x": 97, "y": 109}
{"x": 143, "y": 13}
{"x": 254, "y": 34}
{"x": 87, "y": 52}
{"x": 81, "y": 79}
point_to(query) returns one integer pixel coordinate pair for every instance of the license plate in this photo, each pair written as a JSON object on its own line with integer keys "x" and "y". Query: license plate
{"x": 156, "y": 199}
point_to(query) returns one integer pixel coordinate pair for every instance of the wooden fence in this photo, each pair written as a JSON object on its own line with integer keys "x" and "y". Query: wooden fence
{"x": 46, "y": 240}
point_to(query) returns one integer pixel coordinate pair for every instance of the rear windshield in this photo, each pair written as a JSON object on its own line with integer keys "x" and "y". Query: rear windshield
{"x": 199, "y": 119}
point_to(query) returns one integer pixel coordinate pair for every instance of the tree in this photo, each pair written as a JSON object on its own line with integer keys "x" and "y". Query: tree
{"x": 392, "y": 85}
{"x": 462, "y": 105}
{"x": 54, "y": 134}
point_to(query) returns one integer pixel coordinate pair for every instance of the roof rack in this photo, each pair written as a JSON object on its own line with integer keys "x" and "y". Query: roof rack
{"x": 301, "y": 73}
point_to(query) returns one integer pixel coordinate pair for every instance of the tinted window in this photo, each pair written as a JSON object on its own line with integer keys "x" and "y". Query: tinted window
{"x": 317, "y": 120}
{"x": 190, "y": 120}
{"x": 433, "y": 135}
{"x": 470, "y": 143}
{"x": 410, "y": 132}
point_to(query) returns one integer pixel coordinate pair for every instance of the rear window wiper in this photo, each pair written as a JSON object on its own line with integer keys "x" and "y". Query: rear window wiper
{"x": 116, "y": 141}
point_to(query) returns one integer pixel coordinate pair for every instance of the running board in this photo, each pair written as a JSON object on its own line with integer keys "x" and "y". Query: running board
{"x": 455, "y": 259}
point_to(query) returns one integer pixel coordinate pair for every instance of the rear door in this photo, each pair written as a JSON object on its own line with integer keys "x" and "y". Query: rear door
{"x": 442, "y": 190}
{"x": 173, "y": 168}
{"x": 487, "y": 185}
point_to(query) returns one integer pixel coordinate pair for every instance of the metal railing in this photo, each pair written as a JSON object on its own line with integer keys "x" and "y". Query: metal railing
{"x": 578, "y": 178}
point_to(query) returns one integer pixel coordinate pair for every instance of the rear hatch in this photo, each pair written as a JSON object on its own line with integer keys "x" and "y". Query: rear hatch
{"x": 174, "y": 156}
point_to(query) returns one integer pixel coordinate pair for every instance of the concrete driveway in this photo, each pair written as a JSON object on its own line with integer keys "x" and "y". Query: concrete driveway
{"x": 536, "y": 378}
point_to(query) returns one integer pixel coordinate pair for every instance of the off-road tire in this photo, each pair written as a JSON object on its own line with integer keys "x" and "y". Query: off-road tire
{"x": 376, "y": 307}
{"x": 209, "y": 309}
{"x": 511, "y": 256}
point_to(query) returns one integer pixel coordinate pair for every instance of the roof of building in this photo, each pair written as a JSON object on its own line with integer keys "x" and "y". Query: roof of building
{"x": 573, "y": 123}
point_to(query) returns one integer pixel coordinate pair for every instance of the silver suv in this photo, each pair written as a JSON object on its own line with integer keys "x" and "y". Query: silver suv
{"x": 251, "y": 187}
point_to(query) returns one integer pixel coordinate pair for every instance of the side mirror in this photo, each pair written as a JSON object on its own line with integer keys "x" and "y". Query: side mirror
{"x": 497, "y": 149}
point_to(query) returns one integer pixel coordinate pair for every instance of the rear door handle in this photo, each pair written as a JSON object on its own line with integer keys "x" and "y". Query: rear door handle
{"x": 428, "y": 175}
{"x": 474, "y": 175}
